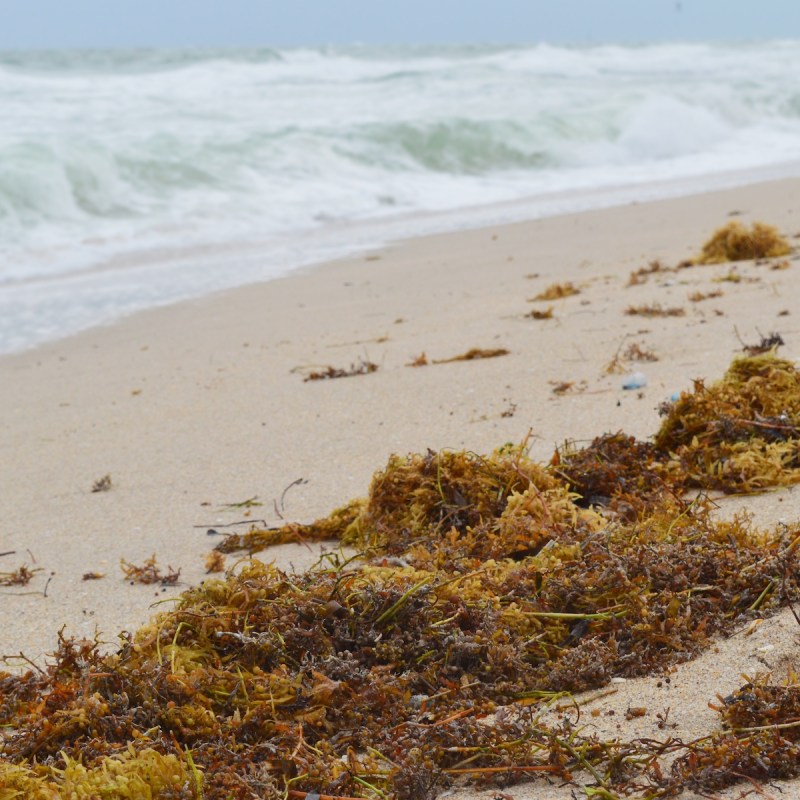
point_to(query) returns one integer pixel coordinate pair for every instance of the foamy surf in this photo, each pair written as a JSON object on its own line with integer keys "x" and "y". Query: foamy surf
{"x": 134, "y": 178}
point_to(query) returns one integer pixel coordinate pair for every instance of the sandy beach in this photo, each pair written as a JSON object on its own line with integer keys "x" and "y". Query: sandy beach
{"x": 196, "y": 408}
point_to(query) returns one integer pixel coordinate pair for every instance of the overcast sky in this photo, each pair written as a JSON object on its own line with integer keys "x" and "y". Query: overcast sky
{"x": 282, "y": 23}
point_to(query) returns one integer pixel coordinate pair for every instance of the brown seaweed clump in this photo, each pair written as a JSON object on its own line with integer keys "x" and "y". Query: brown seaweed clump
{"x": 378, "y": 679}
{"x": 485, "y": 587}
{"x": 741, "y": 433}
{"x": 735, "y": 242}
{"x": 615, "y": 472}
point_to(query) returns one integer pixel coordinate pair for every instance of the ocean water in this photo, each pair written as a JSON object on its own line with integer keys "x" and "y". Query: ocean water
{"x": 130, "y": 179}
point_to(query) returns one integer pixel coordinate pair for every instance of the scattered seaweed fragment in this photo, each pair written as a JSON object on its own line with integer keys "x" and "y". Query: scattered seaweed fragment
{"x": 767, "y": 344}
{"x": 616, "y": 366}
{"x": 420, "y": 361}
{"x": 363, "y": 367}
{"x": 473, "y": 354}
{"x": 642, "y": 274}
{"x": 731, "y": 276}
{"x": 621, "y": 360}
{"x": 568, "y": 387}
{"x": 509, "y": 410}
{"x": 557, "y": 291}
{"x": 699, "y": 297}
{"x": 654, "y": 310}
{"x": 250, "y": 502}
{"x": 102, "y": 484}
{"x": 19, "y": 577}
{"x": 637, "y": 352}
{"x": 540, "y": 315}
{"x": 149, "y": 572}
{"x": 485, "y": 585}
{"x": 215, "y": 562}
{"x": 736, "y": 242}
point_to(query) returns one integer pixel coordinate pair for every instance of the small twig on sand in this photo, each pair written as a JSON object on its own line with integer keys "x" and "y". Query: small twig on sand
{"x": 211, "y": 531}
{"x": 297, "y": 482}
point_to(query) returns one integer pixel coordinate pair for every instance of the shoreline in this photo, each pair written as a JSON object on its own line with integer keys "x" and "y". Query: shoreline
{"x": 199, "y": 405}
{"x": 263, "y": 262}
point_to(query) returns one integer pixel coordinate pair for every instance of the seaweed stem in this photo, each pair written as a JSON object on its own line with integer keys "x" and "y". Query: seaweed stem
{"x": 580, "y": 759}
{"x": 780, "y": 726}
{"x": 395, "y": 607}
{"x": 302, "y": 795}
{"x": 763, "y": 596}
{"x": 494, "y": 770}
{"x": 369, "y": 786}
{"x": 570, "y": 615}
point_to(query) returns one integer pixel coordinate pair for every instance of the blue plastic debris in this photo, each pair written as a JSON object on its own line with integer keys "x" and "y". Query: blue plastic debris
{"x": 636, "y": 380}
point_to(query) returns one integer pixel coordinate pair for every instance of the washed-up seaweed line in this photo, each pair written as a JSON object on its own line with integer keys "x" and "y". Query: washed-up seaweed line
{"x": 485, "y": 589}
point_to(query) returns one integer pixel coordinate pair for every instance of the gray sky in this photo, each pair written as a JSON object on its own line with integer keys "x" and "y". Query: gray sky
{"x": 126, "y": 23}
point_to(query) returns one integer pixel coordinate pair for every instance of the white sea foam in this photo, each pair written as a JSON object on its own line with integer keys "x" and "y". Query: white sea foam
{"x": 133, "y": 178}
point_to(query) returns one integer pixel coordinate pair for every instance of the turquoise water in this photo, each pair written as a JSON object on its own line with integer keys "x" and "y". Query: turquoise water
{"x": 134, "y": 178}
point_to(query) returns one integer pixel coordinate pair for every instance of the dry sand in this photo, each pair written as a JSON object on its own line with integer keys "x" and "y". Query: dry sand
{"x": 200, "y": 405}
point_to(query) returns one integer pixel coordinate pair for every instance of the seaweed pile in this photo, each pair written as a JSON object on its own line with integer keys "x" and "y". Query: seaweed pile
{"x": 739, "y": 434}
{"x": 759, "y": 740}
{"x": 735, "y": 242}
{"x": 484, "y": 589}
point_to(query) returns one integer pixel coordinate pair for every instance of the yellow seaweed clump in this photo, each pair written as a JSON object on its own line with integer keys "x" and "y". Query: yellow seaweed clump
{"x": 557, "y": 291}
{"x": 146, "y": 775}
{"x": 739, "y": 434}
{"x": 484, "y": 506}
{"x": 735, "y": 242}
{"x": 429, "y": 494}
